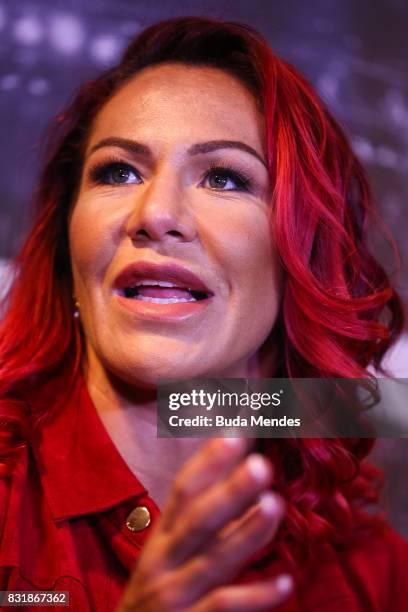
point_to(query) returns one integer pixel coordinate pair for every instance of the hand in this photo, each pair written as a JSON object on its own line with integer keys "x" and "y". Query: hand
{"x": 218, "y": 514}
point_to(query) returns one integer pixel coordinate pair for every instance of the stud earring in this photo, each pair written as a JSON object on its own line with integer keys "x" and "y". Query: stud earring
{"x": 76, "y": 312}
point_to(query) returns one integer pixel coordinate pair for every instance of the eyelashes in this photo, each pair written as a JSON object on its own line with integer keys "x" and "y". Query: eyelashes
{"x": 225, "y": 173}
{"x": 102, "y": 173}
{"x": 218, "y": 177}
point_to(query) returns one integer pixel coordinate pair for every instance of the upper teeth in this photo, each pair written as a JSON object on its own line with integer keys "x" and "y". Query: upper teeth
{"x": 156, "y": 282}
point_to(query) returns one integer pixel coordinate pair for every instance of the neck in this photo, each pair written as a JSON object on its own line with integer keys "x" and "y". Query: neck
{"x": 128, "y": 413}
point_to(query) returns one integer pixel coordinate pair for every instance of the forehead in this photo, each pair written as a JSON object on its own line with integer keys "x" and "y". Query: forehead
{"x": 183, "y": 103}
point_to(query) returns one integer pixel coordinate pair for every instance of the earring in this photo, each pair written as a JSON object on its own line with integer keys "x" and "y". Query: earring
{"x": 76, "y": 312}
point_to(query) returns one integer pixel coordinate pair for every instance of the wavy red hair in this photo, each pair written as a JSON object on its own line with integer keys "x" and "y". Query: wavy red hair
{"x": 339, "y": 311}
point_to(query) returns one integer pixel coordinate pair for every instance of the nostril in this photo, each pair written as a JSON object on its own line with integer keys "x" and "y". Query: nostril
{"x": 142, "y": 233}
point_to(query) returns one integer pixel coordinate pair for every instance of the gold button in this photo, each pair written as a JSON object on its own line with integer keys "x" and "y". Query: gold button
{"x": 138, "y": 519}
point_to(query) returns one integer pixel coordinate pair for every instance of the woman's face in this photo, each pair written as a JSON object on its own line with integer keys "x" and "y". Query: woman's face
{"x": 174, "y": 182}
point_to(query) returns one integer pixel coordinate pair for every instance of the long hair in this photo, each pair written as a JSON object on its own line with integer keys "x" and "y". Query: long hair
{"x": 339, "y": 312}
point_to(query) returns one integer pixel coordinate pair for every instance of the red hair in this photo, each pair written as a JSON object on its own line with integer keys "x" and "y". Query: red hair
{"x": 339, "y": 311}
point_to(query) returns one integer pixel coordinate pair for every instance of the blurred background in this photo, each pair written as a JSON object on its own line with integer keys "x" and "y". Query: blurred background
{"x": 355, "y": 54}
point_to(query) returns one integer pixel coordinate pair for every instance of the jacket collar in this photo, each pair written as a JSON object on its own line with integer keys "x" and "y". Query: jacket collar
{"x": 80, "y": 468}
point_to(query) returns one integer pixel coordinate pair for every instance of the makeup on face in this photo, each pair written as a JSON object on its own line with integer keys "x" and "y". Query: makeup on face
{"x": 171, "y": 246}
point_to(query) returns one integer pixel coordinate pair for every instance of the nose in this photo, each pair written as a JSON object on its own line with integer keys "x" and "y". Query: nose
{"x": 161, "y": 211}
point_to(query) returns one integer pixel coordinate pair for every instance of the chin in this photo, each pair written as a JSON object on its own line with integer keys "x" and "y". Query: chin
{"x": 148, "y": 373}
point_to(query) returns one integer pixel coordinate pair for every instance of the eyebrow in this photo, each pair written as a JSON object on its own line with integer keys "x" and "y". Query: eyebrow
{"x": 132, "y": 146}
{"x": 214, "y": 145}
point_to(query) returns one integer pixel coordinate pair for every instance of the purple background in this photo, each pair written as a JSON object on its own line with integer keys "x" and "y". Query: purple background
{"x": 355, "y": 53}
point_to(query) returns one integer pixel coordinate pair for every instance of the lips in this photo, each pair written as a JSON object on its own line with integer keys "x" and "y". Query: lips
{"x": 165, "y": 280}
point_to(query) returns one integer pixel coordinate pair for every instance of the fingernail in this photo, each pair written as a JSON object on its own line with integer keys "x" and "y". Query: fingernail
{"x": 284, "y": 583}
{"x": 268, "y": 503}
{"x": 233, "y": 442}
{"x": 258, "y": 467}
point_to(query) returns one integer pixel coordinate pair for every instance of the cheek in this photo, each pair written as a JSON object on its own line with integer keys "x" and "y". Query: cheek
{"x": 90, "y": 241}
{"x": 249, "y": 255}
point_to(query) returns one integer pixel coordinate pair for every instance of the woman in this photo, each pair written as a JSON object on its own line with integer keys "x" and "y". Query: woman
{"x": 200, "y": 214}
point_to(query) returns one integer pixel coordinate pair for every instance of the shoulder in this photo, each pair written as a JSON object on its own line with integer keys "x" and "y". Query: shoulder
{"x": 16, "y": 480}
{"x": 377, "y": 570}
{"x": 370, "y": 575}
{"x": 378, "y": 554}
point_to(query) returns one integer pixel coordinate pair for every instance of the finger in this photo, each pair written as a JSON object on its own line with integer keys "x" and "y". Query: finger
{"x": 223, "y": 559}
{"x": 241, "y": 521}
{"x": 260, "y": 522}
{"x": 210, "y": 464}
{"x": 226, "y": 452}
{"x": 211, "y": 511}
{"x": 255, "y": 597}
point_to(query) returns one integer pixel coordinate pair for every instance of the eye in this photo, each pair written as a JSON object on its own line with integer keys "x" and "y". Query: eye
{"x": 226, "y": 179}
{"x": 115, "y": 173}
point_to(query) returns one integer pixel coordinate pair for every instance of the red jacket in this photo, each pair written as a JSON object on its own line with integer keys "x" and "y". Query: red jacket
{"x": 63, "y": 526}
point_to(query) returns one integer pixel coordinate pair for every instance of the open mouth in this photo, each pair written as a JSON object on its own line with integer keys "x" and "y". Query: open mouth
{"x": 162, "y": 292}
